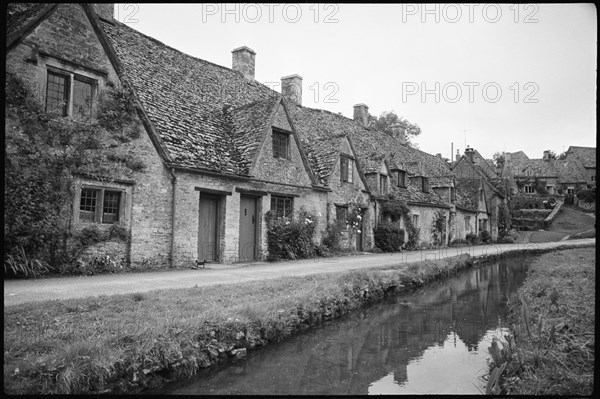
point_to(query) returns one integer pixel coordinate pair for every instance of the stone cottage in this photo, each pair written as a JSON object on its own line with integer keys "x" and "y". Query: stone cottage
{"x": 219, "y": 150}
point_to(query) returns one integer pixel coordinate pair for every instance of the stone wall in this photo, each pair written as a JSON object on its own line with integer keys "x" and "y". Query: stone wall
{"x": 148, "y": 196}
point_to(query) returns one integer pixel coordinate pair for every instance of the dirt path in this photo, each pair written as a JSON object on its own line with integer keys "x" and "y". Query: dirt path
{"x": 21, "y": 291}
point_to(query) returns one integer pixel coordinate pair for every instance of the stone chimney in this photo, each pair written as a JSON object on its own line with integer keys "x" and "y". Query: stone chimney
{"x": 469, "y": 152}
{"x": 361, "y": 114}
{"x": 104, "y": 10}
{"x": 546, "y": 155}
{"x": 457, "y": 154}
{"x": 243, "y": 61}
{"x": 291, "y": 88}
{"x": 506, "y": 157}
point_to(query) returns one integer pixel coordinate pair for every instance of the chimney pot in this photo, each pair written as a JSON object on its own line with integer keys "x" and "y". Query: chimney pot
{"x": 291, "y": 88}
{"x": 361, "y": 114}
{"x": 243, "y": 59}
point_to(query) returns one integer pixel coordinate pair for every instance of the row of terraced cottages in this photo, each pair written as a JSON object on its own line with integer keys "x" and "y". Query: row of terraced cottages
{"x": 220, "y": 149}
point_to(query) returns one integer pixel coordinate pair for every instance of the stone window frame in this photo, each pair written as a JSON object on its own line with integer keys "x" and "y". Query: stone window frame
{"x": 347, "y": 170}
{"x": 72, "y": 76}
{"x": 282, "y": 199}
{"x": 528, "y": 189}
{"x": 281, "y": 143}
{"x": 570, "y": 190}
{"x": 468, "y": 223}
{"x": 125, "y": 191}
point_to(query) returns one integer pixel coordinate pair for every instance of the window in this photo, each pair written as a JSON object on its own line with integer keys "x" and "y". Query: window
{"x": 341, "y": 215}
{"x": 401, "y": 178}
{"x": 452, "y": 195}
{"x": 346, "y": 169}
{"x": 482, "y": 225}
{"x": 570, "y": 190}
{"x": 593, "y": 177}
{"x": 415, "y": 220}
{"x": 57, "y": 93}
{"x": 281, "y": 145}
{"x": 468, "y": 224}
{"x": 383, "y": 185}
{"x": 69, "y": 94}
{"x": 528, "y": 189}
{"x": 480, "y": 194}
{"x": 281, "y": 206}
{"x": 425, "y": 184}
{"x": 98, "y": 205}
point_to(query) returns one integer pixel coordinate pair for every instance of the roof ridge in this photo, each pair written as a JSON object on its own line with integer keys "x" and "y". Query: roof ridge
{"x": 155, "y": 40}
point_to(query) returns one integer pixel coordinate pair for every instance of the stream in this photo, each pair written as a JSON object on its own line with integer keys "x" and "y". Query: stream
{"x": 432, "y": 341}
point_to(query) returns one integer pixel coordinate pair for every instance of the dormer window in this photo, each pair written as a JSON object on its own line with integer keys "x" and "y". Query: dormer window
{"x": 346, "y": 169}
{"x": 281, "y": 145}
{"x": 425, "y": 184}
{"x": 69, "y": 94}
{"x": 401, "y": 178}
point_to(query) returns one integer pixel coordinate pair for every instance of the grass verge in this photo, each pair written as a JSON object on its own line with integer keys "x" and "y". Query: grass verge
{"x": 550, "y": 350}
{"x": 127, "y": 343}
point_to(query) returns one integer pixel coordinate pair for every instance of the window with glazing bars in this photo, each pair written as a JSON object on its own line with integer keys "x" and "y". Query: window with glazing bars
{"x": 346, "y": 169}
{"x": 281, "y": 206}
{"x": 57, "y": 93}
{"x": 99, "y": 206}
{"x": 341, "y": 215}
{"x": 281, "y": 145}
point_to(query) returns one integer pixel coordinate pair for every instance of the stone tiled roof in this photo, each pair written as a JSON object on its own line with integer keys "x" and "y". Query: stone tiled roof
{"x": 540, "y": 167}
{"x": 518, "y": 155}
{"x": 207, "y": 116}
{"x": 587, "y": 155}
{"x": 321, "y": 134}
{"x": 20, "y": 17}
{"x": 467, "y": 193}
{"x": 570, "y": 172}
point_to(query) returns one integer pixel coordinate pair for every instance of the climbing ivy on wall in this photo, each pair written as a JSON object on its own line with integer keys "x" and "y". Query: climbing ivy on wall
{"x": 43, "y": 154}
{"x": 395, "y": 210}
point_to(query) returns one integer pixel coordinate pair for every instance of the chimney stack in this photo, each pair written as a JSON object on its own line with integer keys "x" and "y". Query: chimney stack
{"x": 361, "y": 114}
{"x": 546, "y": 154}
{"x": 104, "y": 10}
{"x": 457, "y": 154}
{"x": 291, "y": 88}
{"x": 469, "y": 152}
{"x": 243, "y": 61}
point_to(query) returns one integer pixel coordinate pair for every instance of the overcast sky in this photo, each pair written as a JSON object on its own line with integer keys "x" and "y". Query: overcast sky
{"x": 505, "y": 77}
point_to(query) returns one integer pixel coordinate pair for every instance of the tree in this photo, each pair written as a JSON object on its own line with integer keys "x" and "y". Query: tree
{"x": 498, "y": 159}
{"x": 396, "y": 126}
{"x": 562, "y": 156}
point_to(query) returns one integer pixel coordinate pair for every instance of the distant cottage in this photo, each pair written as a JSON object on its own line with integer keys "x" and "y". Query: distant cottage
{"x": 222, "y": 149}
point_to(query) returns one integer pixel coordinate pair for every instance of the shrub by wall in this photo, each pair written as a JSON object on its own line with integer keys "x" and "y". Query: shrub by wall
{"x": 388, "y": 236}
{"x": 290, "y": 238}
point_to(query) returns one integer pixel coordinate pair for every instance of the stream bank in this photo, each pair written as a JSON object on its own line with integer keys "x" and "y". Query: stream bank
{"x": 90, "y": 345}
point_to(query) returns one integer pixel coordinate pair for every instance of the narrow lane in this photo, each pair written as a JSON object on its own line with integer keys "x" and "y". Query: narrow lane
{"x": 22, "y": 291}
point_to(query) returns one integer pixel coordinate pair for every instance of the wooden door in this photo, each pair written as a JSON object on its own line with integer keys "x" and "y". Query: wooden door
{"x": 207, "y": 228}
{"x": 248, "y": 220}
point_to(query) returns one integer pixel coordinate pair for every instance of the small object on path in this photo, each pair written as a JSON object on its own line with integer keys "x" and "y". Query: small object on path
{"x": 554, "y": 299}
{"x": 198, "y": 264}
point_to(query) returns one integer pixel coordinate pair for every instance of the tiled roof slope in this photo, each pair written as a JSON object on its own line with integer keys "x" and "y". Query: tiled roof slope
{"x": 20, "y": 16}
{"x": 518, "y": 155}
{"x": 467, "y": 193}
{"x": 321, "y": 133}
{"x": 587, "y": 155}
{"x": 570, "y": 172}
{"x": 207, "y": 116}
{"x": 372, "y": 145}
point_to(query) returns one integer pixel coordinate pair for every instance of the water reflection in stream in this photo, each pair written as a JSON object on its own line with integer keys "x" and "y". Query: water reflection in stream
{"x": 434, "y": 341}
